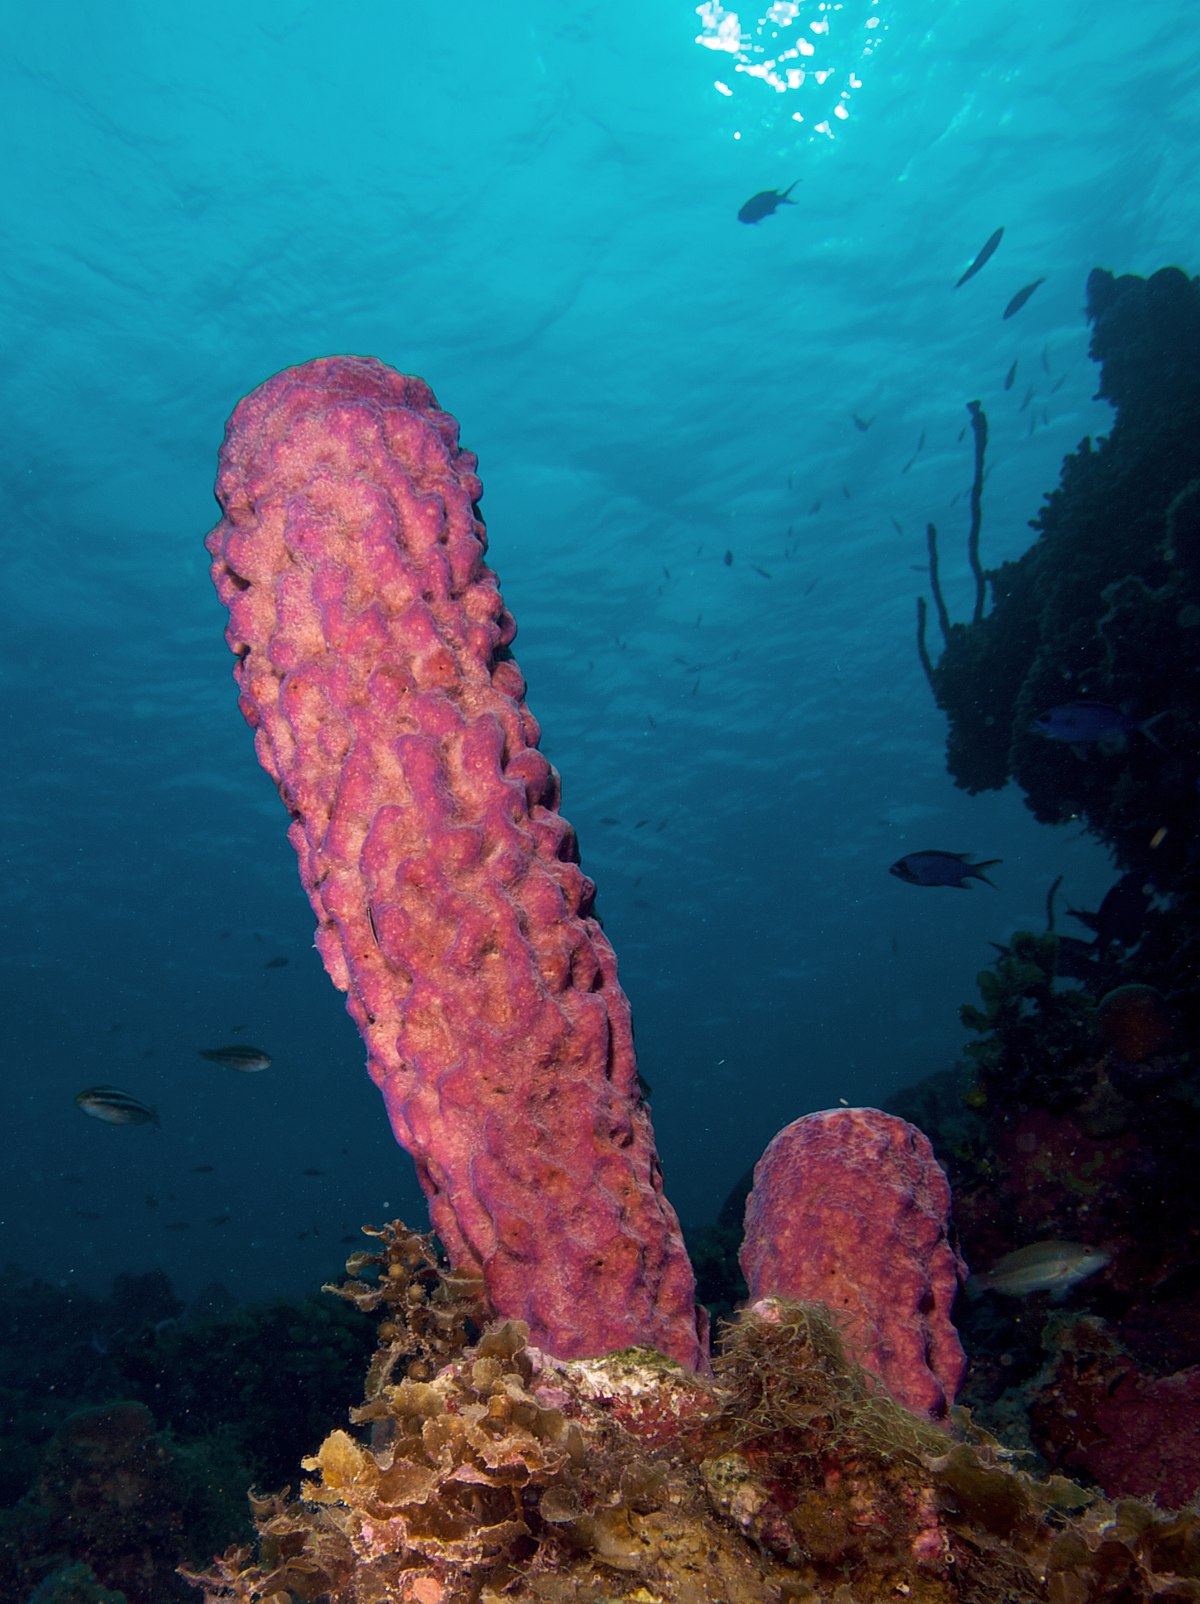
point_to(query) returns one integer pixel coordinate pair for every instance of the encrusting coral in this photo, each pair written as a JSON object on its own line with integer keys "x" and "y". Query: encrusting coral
{"x": 790, "y": 1475}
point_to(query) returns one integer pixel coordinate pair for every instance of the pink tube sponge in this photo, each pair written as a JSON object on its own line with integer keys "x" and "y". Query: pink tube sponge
{"x": 851, "y": 1209}
{"x": 373, "y": 665}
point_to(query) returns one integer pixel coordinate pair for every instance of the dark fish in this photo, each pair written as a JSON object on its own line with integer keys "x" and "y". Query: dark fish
{"x": 765, "y": 202}
{"x": 1121, "y": 916}
{"x": 762, "y": 571}
{"x": 248, "y": 1059}
{"x": 941, "y": 869}
{"x": 1019, "y": 299}
{"x": 312, "y": 1172}
{"x": 203, "y": 1169}
{"x": 985, "y": 256}
{"x": 815, "y": 508}
{"x": 276, "y": 963}
{"x": 862, "y": 424}
{"x": 115, "y": 1107}
{"x": 729, "y": 559}
{"x": 916, "y": 453}
{"x": 1083, "y": 724}
{"x": 1010, "y": 376}
{"x": 1053, "y": 1267}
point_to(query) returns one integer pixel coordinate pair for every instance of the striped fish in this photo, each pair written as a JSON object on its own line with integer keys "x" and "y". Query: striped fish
{"x": 115, "y": 1107}
{"x": 249, "y": 1060}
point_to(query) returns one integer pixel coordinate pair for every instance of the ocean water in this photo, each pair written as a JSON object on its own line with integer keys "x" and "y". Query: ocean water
{"x": 712, "y": 565}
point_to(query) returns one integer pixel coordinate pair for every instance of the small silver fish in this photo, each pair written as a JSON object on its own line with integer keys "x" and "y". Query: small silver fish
{"x": 115, "y": 1107}
{"x": 247, "y": 1059}
{"x": 1053, "y": 1267}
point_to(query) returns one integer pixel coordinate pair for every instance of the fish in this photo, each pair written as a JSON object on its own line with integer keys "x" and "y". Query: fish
{"x": 1102, "y": 724}
{"x": 765, "y": 202}
{"x": 985, "y": 256}
{"x": 1019, "y": 299}
{"x": 941, "y": 869}
{"x": 276, "y": 963}
{"x": 729, "y": 559}
{"x": 862, "y": 424}
{"x": 115, "y": 1107}
{"x": 248, "y": 1059}
{"x": 203, "y": 1169}
{"x": 1121, "y": 916}
{"x": 1010, "y": 376}
{"x": 1053, "y": 1267}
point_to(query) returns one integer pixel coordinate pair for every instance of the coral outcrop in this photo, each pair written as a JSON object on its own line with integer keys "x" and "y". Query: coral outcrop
{"x": 789, "y": 1475}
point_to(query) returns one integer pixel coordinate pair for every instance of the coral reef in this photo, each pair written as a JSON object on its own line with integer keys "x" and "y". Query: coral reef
{"x": 1080, "y": 1121}
{"x": 374, "y": 666}
{"x": 1099, "y": 1414}
{"x": 114, "y": 1504}
{"x": 850, "y": 1209}
{"x": 1104, "y": 606}
{"x": 790, "y": 1475}
{"x": 132, "y": 1427}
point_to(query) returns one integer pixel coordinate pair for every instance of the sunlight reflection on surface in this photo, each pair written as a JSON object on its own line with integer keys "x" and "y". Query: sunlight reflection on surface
{"x": 810, "y": 48}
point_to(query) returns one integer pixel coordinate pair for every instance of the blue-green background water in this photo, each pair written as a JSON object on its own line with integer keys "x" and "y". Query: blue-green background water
{"x": 534, "y": 208}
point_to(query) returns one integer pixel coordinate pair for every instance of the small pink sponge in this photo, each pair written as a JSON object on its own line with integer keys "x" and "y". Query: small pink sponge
{"x": 373, "y": 665}
{"x": 851, "y": 1209}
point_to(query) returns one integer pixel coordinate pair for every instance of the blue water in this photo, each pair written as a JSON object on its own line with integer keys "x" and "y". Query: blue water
{"x": 534, "y": 208}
